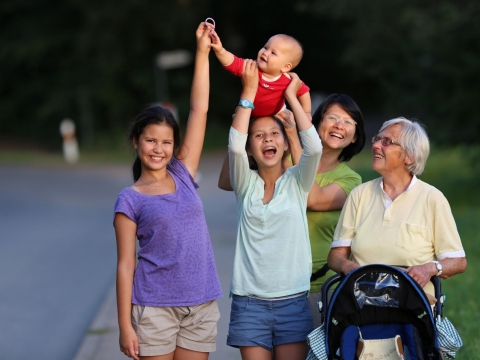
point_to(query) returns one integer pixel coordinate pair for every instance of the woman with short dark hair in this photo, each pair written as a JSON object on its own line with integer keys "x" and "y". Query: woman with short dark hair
{"x": 339, "y": 123}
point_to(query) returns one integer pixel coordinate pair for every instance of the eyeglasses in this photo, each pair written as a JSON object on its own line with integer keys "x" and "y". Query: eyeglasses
{"x": 344, "y": 121}
{"x": 386, "y": 141}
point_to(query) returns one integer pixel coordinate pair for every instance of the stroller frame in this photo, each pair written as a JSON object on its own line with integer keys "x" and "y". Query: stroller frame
{"x": 414, "y": 308}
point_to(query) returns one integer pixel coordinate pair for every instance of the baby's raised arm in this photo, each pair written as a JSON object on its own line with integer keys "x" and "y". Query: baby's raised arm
{"x": 225, "y": 57}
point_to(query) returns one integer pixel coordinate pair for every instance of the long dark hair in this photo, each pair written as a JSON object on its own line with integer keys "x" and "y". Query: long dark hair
{"x": 251, "y": 160}
{"x": 352, "y": 109}
{"x": 154, "y": 114}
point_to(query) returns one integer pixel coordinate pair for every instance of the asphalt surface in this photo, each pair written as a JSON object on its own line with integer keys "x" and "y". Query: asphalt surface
{"x": 58, "y": 258}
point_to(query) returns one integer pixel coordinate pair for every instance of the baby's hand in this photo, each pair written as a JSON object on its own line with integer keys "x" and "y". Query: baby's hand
{"x": 294, "y": 85}
{"x": 216, "y": 43}
{"x": 250, "y": 75}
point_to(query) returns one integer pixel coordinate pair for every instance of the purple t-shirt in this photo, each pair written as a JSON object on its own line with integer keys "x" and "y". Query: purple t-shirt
{"x": 175, "y": 266}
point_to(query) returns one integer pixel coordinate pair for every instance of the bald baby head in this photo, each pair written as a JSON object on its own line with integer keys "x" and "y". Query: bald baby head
{"x": 281, "y": 54}
{"x": 294, "y": 47}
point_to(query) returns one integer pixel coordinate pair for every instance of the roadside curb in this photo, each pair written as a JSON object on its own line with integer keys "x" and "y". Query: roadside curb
{"x": 101, "y": 340}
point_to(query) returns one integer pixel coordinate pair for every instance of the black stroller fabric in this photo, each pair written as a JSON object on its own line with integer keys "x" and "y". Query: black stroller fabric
{"x": 380, "y": 294}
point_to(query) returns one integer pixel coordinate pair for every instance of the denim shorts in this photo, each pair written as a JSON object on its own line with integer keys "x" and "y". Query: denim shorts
{"x": 267, "y": 323}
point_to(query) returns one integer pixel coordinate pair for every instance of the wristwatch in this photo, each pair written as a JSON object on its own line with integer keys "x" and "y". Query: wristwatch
{"x": 439, "y": 267}
{"x": 246, "y": 104}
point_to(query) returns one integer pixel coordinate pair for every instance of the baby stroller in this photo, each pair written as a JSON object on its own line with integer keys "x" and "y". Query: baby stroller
{"x": 382, "y": 308}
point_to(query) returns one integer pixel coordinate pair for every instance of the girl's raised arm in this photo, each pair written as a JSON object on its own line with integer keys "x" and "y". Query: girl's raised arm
{"x": 238, "y": 160}
{"x": 249, "y": 90}
{"x": 191, "y": 148}
{"x": 302, "y": 119}
{"x": 312, "y": 152}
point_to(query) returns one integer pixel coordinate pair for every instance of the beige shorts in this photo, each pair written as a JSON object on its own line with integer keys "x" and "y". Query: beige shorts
{"x": 161, "y": 329}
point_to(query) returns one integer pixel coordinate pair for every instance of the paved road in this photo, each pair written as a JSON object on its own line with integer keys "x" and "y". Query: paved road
{"x": 57, "y": 258}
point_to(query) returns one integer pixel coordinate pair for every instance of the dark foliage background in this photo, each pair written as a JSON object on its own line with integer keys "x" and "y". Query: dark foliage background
{"x": 93, "y": 61}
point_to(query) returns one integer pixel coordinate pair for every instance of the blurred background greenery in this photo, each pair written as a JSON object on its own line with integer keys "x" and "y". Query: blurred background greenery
{"x": 94, "y": 62}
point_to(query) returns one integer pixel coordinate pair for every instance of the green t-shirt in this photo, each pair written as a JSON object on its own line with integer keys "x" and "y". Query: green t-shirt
{"x": 321, "y": 224}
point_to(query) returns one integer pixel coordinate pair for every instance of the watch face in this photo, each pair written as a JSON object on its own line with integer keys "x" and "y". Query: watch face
{"x": 246, "y": 104}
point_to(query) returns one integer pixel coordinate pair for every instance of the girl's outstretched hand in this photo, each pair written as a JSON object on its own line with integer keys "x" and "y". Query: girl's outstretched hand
{"x": 250, "y": 76}
{"x": 287, "y": 119}
{"x": 202, "y": 35}
{"x": 294, "y": 85}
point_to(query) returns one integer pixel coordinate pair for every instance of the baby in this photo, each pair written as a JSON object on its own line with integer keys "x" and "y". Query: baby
{"x": 280, "y": 55}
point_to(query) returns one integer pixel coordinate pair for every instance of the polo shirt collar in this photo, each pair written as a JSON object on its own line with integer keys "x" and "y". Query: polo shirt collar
{"x": 388, "y": 201}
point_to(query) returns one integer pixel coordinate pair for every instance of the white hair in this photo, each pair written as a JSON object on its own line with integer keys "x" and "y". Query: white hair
{"x": 414, "y": 141}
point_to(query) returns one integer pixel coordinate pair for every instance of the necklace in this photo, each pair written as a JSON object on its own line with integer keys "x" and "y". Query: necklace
{"x": 143, "y": 182}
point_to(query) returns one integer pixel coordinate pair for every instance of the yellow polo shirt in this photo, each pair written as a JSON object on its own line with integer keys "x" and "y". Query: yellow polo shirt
{"x": 415, "y": 228}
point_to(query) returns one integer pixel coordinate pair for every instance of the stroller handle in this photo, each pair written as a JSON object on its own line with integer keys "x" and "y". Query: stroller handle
{"x": 438, "y": 295}
{"x": 340, "y": 276}
{"x": 325, "y": 287}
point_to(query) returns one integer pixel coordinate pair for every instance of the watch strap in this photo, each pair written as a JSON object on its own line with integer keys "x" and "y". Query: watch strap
{"x": 246, "y": 104}
{"x": 439, "y": 267}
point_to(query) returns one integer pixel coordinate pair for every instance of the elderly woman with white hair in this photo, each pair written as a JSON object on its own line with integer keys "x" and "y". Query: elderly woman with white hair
{"x": 398, "y": 219}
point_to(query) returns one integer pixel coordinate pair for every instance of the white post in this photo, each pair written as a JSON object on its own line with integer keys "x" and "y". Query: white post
{"x": 70, "y": 144}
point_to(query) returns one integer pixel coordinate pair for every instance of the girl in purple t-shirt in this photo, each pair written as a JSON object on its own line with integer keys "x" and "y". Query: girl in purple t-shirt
{"x": 166, "y": 304}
